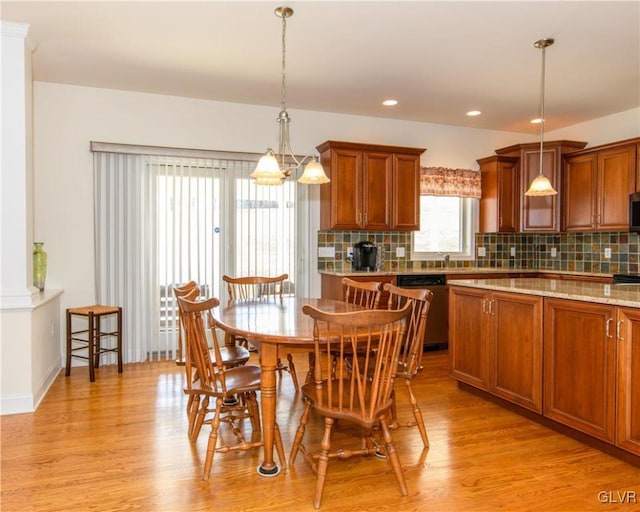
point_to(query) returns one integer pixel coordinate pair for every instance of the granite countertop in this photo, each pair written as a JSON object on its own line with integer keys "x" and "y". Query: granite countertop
{"x": 455, "y": 270}
{"x": 614, "y": 294}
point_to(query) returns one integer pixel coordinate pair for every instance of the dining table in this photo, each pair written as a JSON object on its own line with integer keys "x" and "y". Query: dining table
{"x": 269, "y": 324}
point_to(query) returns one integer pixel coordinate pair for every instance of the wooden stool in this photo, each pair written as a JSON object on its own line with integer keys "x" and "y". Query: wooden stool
{"x": 93, "y": 336}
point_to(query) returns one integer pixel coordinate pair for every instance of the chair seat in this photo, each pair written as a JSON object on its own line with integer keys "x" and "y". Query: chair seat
{"x": 231, "y": 355}
{"x": 319, "y": 399}
{"x": 241, "y": 379}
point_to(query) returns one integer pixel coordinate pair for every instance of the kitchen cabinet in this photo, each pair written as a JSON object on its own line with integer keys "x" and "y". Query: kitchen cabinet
{"x": 596, "y": 187}
{"x": 638, "y": 167}
{"x": 592, "y": 370}
{"x": 468, "y": 346}
{"x": 499, "y": 203}
{"x": 495, "y": 343}
{"x": 372, "y": 187}
{"x": 579, "y": 366}
{"x": 541, "y": 213}
{"x": 628, "y": 406}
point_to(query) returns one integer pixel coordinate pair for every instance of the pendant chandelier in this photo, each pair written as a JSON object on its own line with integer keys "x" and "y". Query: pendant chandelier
{"x": 541, "y": 186}
{"x": 275, "y": 168}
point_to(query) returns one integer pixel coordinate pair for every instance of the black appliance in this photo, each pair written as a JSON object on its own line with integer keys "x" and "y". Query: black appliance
{"x": 435, "y": 334}
{"x": 626, "y": 279}
{"x": 634, "y": 212}
{"x": 364, "y": 256}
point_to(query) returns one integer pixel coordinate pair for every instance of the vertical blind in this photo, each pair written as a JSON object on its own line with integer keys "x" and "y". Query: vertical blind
{"x": 161, "y": 221}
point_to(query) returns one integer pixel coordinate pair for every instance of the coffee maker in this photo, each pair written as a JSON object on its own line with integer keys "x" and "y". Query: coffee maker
{"x": 364, "y": 256}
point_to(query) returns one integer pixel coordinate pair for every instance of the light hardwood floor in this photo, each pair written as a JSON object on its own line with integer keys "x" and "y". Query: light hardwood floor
{"x": 120, "y": 444}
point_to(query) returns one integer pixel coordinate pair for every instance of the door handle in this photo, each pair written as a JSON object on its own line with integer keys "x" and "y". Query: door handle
{"x": 619, "y": 325}
{"x": 607, "y": 328}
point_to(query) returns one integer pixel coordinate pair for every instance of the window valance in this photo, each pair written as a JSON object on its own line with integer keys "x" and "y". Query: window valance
{"x": 441, "y": 181}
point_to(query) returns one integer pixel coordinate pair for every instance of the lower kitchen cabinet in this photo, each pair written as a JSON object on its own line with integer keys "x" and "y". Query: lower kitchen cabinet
{"x": 495, "y": 343}
{"x": 574, "y": 362}
{"x": 592, "y": 370}
{"x": 579, "y": 366}
{"x": 628, "y": 410}
{"x": 468, "y": 346}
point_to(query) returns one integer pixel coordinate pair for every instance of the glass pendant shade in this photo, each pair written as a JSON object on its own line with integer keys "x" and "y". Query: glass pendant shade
{"x": 540, "y": 186}
{"x": 268, "y": 172}
{"x": 313, "y": 174}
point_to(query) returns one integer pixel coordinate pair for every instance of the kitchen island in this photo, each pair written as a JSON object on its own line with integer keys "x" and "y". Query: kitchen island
{"x": 568, "y": 352}
{"x": 436, "y": 279}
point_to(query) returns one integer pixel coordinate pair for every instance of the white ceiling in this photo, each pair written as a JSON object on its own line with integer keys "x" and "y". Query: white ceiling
{"x": 438, "y": 59}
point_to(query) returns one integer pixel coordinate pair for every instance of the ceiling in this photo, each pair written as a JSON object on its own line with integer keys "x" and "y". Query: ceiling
{"x": 438, "y": 59}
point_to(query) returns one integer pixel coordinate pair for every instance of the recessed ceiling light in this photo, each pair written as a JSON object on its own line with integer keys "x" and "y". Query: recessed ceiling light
{"x": 473, "y": 113}
{"x": 390, "y": 103}
{"x": 537, "y": 120}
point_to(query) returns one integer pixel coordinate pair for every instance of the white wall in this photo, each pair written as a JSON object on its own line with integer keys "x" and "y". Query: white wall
{"x": 68, "y": 117}
{"x": 620, "y": 126}
{"x": 29, "y": 319}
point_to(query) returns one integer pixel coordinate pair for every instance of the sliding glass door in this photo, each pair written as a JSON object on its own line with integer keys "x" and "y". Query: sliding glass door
{"x": 163, "y": 221}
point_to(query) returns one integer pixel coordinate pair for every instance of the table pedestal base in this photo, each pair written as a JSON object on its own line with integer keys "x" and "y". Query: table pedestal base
{"x": 275, "y": 471}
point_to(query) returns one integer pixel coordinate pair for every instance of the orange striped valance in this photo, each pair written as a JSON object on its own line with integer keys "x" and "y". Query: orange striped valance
{"x": 441, "y": 181}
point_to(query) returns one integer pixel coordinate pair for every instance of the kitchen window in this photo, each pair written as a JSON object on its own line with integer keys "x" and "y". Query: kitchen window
{"x": 447, "y": 227}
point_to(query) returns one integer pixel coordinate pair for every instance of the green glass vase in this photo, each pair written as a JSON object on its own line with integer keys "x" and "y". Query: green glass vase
{"x": 39, "y": 265}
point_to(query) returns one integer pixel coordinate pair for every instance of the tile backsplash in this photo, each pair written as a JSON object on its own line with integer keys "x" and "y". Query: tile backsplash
{"x": 574, "y": 252}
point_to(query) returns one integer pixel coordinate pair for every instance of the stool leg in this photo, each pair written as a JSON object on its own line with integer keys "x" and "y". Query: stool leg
{"x": 97, "y": 348}
{"x": 67, "y": 370}
{"x": 91, "y": 336}
{"x": 119, "y": 337}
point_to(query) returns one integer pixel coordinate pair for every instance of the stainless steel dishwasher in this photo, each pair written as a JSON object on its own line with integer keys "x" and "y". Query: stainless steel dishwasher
{"x": 435, "y": 336}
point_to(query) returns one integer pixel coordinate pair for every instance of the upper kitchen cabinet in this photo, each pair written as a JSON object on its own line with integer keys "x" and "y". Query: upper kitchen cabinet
{"x": 540, "y": 213}
{"x": 499, "y": 204}
{"x": 596, "y": 184}
{"x": 372, "y": 187}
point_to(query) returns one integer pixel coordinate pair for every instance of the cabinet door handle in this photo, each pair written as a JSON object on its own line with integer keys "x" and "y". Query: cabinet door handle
{"x": 358, "y": 218}
{"x": 619, "y": 325}
{"x": 366, "y": 217}
{"x": 491, "y": 306}
{"x": 484, "y": 305}
{"x": 607, "y": 328}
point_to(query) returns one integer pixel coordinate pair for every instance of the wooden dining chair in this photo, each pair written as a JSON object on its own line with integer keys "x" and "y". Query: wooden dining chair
{"x": 221, "y": 384}
{"x": 360, "y": 395}
{"x": 363, "y": 293}
{"x": 261, "y": 288}
{"x": 411, "y": 349}
{"x": 182, "y": 291}
{"x": 231, "y": 356}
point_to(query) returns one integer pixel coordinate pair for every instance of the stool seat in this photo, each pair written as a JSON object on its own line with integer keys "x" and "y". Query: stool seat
{"x": 96, "y": 309}
{"x": 90, "y": 339}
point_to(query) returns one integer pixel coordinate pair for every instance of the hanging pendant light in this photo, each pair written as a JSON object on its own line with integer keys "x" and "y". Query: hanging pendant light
{"x": 275, "y": 168}
{"x": 541, "y": 186}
